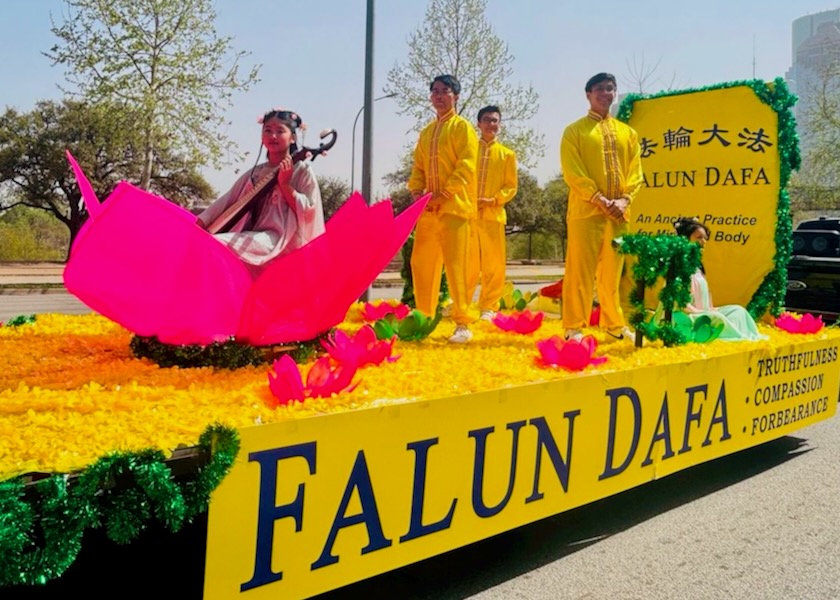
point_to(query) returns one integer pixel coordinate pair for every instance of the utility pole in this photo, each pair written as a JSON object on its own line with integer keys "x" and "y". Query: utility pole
{"x": 367, "y": 131}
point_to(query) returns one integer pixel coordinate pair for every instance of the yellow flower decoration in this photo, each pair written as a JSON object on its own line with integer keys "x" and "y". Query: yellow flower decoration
{"x": 71, "y": 392}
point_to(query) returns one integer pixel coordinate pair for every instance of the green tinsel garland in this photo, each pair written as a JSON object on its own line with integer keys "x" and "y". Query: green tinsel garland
{"x": 229, "y": 354}
{"x": 41, "y": 526}
{"x": 770, "y": 295}
{"x": 671, "y": 257}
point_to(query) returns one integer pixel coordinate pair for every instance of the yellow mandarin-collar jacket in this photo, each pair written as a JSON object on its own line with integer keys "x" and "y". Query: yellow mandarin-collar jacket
{"x": 445, "y": 165}
{"x": 497, "y": 179}
{"x": 599, "y": 156}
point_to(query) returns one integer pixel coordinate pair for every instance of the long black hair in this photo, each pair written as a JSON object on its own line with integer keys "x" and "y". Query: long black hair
{"x": 290, "y": 119}
{"x": 686, "y": 226}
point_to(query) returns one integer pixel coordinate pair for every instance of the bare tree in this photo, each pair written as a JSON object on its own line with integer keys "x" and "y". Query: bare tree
{"x": 456, "y": 38}
{"x": 642, "y": 76}
{"x": 817, "y": 185}
{"x": 162, "y": 58}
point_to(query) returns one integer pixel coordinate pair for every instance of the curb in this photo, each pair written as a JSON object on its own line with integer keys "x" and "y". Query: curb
{"x": 16, "y": 289}
{"x": 58, "y": 288}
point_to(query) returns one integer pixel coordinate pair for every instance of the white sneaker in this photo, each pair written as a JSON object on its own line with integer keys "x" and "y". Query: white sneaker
{"x": 487, "y": 315}
{"x": 462, "y": 335}
{"x": 625, "y": 333}
{"x": 574, "y": 334}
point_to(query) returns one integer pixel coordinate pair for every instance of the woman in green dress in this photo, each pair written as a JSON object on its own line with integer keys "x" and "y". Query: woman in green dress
{"x": 737, "y": 323}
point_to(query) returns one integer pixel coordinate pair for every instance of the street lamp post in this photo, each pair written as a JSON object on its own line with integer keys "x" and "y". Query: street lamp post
{"x": 353, "y": 144}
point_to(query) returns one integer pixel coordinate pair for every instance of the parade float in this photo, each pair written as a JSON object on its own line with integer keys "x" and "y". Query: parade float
{"x": 383, "y": 445}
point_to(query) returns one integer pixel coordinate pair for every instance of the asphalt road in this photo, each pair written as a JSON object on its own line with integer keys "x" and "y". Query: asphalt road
{"x": 57, "y": 301}
{"x": 13, "y": 305}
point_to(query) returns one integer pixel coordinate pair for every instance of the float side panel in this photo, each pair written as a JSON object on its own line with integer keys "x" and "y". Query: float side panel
{"x": 315, "y": 504}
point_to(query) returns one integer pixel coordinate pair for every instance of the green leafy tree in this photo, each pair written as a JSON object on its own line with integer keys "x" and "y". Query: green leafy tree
{"x": 27, "y": 234}
{"x": 396, "y": 183}
{"x": 539, "y": 213}
{"x": 35, "y": 173}
{"x": 556, "y": 196}
{"x": 164, "y": 60}
{"x": 334, "y": 192}
{"x": 525, "y": 213}
{"x": 456, "y": 38}
{"x": 534, "y": 210}
{"x": 816, "y": 187}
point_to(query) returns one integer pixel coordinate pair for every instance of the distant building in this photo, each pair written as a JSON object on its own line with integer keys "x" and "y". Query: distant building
{"x": 815, "y": 48}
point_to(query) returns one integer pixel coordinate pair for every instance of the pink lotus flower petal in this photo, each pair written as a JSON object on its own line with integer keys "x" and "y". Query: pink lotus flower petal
{"x": 285, "y": 381}
{"x": 365, "y": 336}
{"x": 503, "y": 321}
{"x": 807, "y": 323}
{"x": 342, "y": 348}
{"x": 371, "y": 350}
{"x": 524, "y": 322}
{"x": 323, "y": 380}
{"x": 359, "y": 350}
{"x": 550, "y": 350}
{"x": 571, "y": 355}
{"x": 371, "y": 312}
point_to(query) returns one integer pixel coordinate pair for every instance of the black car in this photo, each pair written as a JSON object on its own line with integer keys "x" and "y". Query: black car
{"x": 814, "y": 269}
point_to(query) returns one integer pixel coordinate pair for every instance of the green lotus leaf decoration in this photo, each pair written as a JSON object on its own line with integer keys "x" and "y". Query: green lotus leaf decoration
{"x": 701, "y": 330}
{"x": 414, "y": 327}
{"x": 513, "y": 299}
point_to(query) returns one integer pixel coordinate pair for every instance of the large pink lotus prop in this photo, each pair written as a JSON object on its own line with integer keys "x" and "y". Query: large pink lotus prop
{"x": 144, "y": 263}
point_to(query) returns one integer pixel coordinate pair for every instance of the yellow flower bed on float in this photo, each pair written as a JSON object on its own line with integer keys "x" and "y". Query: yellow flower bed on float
{"x": 71, "y": 391}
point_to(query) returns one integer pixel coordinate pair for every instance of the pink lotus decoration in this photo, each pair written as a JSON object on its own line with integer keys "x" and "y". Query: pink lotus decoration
{"x": 374, "y": 312}
{"x": 807, "y": 323}
{"x": 523, "y": 322}
{"x": 144, "y": 263}
{"x": 323, "y": 380}
{"x": 571, "y": 355}
{"x": 360, "y": 349}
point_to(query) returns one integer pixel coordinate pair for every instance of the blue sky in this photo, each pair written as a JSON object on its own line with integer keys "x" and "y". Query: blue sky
{"x": 313, "y": 59}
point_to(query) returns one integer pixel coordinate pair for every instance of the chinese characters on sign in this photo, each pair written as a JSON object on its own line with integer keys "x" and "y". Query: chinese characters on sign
{"x": 672, "y": 139}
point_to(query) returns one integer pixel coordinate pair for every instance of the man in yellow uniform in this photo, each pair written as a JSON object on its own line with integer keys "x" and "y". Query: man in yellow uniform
{"x": 600, "y": 158}
{"x": 497, "y": 183}
{"x": 445, "y": 166}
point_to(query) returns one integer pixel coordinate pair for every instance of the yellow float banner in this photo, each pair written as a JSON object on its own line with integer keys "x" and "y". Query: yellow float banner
{"x": 713, "y": 155}
{"x": 315, "y": 504}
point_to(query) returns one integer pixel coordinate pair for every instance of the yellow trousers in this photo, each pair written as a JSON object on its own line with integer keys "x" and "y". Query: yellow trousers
{"x": 441, "y": 240}
{"x": 488, "y": 260}
{"x": 592, "y": 264}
